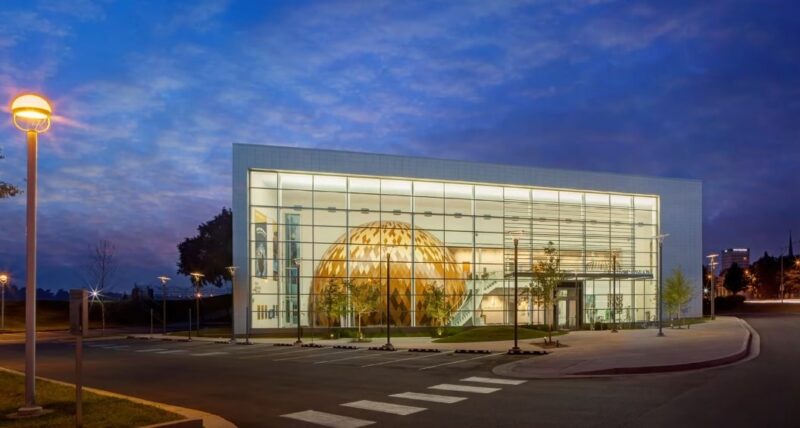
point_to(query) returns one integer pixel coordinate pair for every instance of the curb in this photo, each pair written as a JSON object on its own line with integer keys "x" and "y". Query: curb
{"x": 209, "y": 420}
{"x": 750, "y": 343}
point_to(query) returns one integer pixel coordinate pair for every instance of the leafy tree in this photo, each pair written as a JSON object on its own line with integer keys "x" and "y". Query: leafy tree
{"x": 767, "y": 272}
{"x": 210, "y": 252}
{"x": 677, "y": 293}
{"x": 364, "y": 299}
{"x": 547, "y": 275}
{"x": 734, "y": 279}
{"x": 8, "y": 190}
{"x": 437, "y": 307}
{"x": 332, "y": 301}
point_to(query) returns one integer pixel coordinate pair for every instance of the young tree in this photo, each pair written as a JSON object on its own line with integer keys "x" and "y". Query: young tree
{"x": 8, "y": 190}
{"x": 332, "y": 301}
{"x": 677, "y": 293}
{"x": 734, "y": 279}
{"x": 364, "y": 299}
{"x": 101, "y": 266}
{"x": 547, "y": 275}
{"x": 99, "y": 275}
{"x": 210, "y": 252}
{"x": 436, "y": 306}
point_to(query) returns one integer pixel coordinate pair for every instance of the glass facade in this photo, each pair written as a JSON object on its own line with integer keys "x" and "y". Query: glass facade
{"x": 310, "y": 230}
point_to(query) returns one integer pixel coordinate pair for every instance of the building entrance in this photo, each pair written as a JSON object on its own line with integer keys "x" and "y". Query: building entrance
{"x": 568, "y": 304}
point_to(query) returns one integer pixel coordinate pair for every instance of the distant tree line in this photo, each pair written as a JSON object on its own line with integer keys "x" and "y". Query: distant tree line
{"x": 762, "y": 278}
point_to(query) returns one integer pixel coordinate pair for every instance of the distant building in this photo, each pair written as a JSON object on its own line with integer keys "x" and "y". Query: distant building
{"x": 740, "y": 256}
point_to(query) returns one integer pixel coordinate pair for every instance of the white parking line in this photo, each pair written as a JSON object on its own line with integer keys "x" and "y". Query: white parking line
{"x": 447, "y": 399}
{"x": 151, "y": 350}
{"x": 370, "y": 355}
{"x": 313, "y": 356}
{"x": 378, "y": 406}
{"x": 296, "y": 351}
{"x": 173, "y": 351}
{"x": 461, "y": 361}
{"x": 207, "y": 354}
{"x": 464, "y": 388}
{"x": 493, "y": 380}
{"x": 328, "y": 419}
{"x": 406, "y": 359}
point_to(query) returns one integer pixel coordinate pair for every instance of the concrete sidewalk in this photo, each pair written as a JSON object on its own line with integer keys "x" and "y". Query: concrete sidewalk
{"x": 593, "y": 353}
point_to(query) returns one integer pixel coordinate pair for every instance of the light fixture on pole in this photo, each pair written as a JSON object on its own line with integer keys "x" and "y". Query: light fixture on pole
{"x": 299, "y": 341}
{"x": 31, "y": 114}
{"x": 3, "y": 282}
{"x": 388, "y": 345}
{"x": 232, "y": 273}
{"x": 660, "y": 239}
{"x": 516, "y": 234}
{"x": 164, "y": 279}
{"x": 712, "y": 264}
{"x": 197, "y": 277}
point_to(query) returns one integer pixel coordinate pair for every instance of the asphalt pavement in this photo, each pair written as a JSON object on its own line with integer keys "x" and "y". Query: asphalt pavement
{"x": 264, "y": 385}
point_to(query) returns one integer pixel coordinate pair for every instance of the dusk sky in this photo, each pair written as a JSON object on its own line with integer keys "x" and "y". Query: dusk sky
{"x": 150, "y": 95}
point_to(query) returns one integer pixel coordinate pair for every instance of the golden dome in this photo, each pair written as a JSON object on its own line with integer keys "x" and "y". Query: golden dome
{"x": 369, "y": 245}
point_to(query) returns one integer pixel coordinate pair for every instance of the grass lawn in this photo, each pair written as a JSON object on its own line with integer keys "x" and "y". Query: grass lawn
{"x": 493, "y": 333}
{"x": 98, "y": 410}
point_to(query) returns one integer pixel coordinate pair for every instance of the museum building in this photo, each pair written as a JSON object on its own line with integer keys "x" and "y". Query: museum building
{"x": 309, "y": 221}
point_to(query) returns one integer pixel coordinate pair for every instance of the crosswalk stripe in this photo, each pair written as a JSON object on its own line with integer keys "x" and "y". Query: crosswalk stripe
{"x": 152, "y": 350}
{"x": 464, "y": 388}
{"x": 118, "y": 347}
{"x": 327, "y": 419}
{"x": 206, "y": 354}
{"x": 493, "y": 380}
{"x": 447, "y": 399}
{"x": 378, "y": 406}
{"x": 174, "y": 351}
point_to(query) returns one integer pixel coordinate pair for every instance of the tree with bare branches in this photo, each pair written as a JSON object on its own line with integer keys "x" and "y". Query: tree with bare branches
{"x": 101, "y": 268}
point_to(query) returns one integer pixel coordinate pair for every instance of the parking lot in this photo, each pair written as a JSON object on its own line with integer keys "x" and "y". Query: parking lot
{"x": 360, "y": 357}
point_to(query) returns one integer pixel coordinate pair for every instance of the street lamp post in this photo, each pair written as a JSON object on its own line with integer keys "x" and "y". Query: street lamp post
{"x": 232, "y": 272}
{"x": 3, "y": 282}
{"x": 299, "y": 341}
{"x": 164, "y": 280}
{"x": 197, "y": 277}
{"x": 31, "y": 114}
{"x": 516, "y": 234}
{"x": 614, "y": 291}
{"x": 388, "y": 346}
{"x": 712, "y": 264}
{"x": 660, "y": 239}
{"x": 516, "y": 349}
